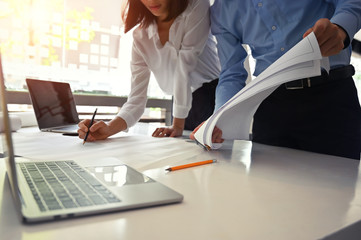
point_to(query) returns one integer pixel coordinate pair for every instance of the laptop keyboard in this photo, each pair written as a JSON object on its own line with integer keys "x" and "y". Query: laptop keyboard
{"x": 64, "y": 184}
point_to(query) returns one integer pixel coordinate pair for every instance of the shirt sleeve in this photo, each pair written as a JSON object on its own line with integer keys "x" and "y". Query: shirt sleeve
{"x": 133, "y": 109}
{"x": 196, "y": 31}
{"x": 347, "y": 15}
{"x": 231, "y": 54}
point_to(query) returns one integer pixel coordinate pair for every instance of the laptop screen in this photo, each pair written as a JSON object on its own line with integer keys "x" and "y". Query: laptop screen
{"x": 53, "y": 103}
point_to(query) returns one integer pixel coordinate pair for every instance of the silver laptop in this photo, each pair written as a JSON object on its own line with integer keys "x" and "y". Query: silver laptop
{"x": 53, "y": 190}
{"x": 54, "y": 106}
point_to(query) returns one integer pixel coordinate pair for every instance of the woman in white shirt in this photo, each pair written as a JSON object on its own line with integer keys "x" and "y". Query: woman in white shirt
{"x": 173, "y": 42}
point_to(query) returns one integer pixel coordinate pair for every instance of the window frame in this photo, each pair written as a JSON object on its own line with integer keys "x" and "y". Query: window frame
{"x": 17, "y": 97}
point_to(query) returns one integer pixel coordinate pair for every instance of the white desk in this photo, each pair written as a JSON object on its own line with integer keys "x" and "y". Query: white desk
{"x": 253, "y": 192}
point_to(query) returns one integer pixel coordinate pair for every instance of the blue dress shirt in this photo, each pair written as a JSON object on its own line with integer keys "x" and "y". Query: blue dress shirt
{"x": 270, "y": 28}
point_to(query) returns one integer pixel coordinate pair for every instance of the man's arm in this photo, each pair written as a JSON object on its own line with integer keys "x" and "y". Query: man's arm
{"x": 231, "y": 54}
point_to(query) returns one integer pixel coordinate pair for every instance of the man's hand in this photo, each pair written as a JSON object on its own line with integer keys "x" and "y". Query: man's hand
{"x": 216, "y": 135}
{"x": 330, "y": 37}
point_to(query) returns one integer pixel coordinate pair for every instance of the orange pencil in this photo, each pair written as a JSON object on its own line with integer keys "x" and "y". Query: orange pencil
{"x": 191, "y": 165}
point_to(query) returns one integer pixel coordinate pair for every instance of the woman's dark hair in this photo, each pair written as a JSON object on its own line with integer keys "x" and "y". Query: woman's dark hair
{"x": 136, "y": 13}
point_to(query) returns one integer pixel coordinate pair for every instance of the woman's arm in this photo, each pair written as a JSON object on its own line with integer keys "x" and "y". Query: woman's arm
{"x": 133, "y": 109}
{"x": 196, "y": 32}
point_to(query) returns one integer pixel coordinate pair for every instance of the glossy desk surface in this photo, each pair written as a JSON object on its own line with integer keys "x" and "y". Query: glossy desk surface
{"x": 253, "y": 192}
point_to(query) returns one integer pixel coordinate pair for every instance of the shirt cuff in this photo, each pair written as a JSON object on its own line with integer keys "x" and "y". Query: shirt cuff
{"x": 347, "y": 41}
{"x": 180, "y": 111}
{"x": 128, "y": 118}
{"x": 347, "y": 22}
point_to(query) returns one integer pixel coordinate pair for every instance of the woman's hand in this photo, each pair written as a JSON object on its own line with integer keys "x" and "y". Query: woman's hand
{"x": 168, "y": 132}
{"x": 101, "y": 130}
{"x": 175, "y": 131}
{"x": 98, "y": 131}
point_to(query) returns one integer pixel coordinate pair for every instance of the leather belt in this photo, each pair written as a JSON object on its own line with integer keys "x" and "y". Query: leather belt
{"x": 334, "y": 75}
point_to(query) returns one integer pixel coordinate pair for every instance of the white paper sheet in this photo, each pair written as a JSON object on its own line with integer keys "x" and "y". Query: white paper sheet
{"x": 235, "y": 116}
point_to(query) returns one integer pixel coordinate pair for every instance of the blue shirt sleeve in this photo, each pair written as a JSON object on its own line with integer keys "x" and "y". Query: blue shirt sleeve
{"x": 347, "y": 15}
{"x": 232, "y": 55}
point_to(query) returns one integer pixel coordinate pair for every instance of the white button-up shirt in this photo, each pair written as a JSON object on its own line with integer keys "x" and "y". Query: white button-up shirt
{"x": 181, "y": 66}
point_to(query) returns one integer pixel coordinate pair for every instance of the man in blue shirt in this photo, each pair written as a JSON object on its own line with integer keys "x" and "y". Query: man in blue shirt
{"x": 321, "y": 114}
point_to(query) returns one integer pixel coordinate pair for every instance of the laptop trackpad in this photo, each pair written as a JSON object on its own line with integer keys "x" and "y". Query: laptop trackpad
{"x": 118, "y": 175}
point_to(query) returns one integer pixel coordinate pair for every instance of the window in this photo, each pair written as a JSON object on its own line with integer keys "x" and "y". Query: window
{"x": 75, "y": 41}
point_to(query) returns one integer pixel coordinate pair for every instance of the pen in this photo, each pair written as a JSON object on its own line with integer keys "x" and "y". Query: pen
{"x": 205, "y": 147}
{"x": 90, "y": 124}
{"x": 191, "y": 165}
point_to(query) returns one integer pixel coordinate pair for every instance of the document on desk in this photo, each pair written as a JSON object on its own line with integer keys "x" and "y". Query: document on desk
{"x": 235, "y": 116}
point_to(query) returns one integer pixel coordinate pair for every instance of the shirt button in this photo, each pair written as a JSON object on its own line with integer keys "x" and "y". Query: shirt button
{"x": 282, "y": 49}
{"x": 260, "y": 4}
{"x": 274, "y": 28}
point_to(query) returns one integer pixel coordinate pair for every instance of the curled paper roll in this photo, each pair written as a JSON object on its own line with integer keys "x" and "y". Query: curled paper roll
{"x": 15, "y": 123}
{"x": 28, "y": 119}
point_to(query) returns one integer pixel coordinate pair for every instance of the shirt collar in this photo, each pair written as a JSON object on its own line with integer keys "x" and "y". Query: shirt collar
{"x": 152, "y": 30}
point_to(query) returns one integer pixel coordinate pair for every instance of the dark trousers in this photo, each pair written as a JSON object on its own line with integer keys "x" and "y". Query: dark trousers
{"x": 325, "y": 118}
{"x": 203, "y": 100}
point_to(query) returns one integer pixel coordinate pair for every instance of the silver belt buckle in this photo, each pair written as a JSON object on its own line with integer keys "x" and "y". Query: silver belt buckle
{"x": 289, "y": 86}
{"x": 301, "y": 86}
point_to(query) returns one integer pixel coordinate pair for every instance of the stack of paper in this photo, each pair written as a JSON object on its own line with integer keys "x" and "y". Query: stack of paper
{"x": 235, "y": 116}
